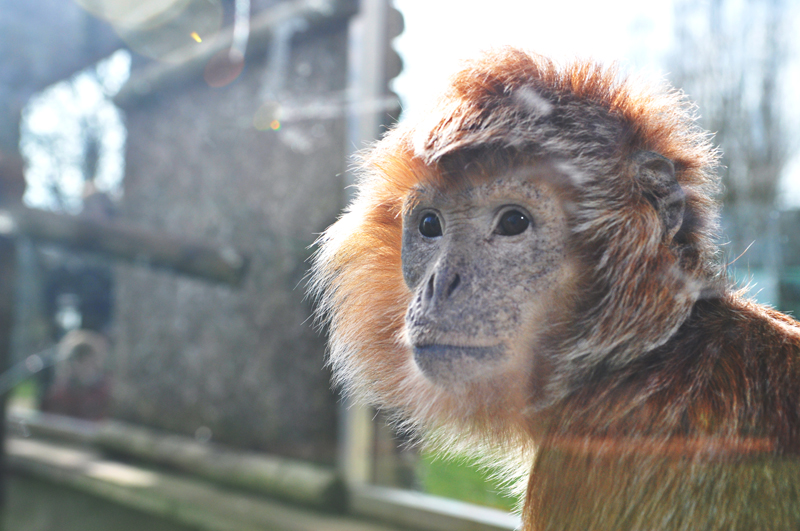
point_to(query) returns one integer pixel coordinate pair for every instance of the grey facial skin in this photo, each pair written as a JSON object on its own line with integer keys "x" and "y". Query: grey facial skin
{"x": 479, "y": 282}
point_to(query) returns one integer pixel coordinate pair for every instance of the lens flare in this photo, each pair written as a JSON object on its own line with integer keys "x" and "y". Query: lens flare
{"x": 223, "y": 68}
{"x": 268, "y": 116}
{"x": 158, "y": 28}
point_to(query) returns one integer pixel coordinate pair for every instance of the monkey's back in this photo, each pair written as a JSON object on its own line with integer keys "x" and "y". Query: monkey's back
{"x": 701, "y": 434}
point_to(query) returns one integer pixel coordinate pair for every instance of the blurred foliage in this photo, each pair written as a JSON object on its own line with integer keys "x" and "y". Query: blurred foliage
{"x": 462, "y": 479}
{"x": 732, "y": 57}
{"x": 26, "y": 394}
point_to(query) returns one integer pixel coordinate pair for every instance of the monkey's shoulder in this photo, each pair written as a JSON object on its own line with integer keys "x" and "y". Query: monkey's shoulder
{"x": 731, "y": 372}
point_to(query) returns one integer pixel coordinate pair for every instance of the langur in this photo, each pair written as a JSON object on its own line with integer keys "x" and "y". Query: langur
{"x": 529, "y": 270}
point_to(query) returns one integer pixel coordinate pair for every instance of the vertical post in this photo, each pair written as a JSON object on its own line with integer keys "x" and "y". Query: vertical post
{"x": 367, "y": 94}
{"x": 8, "y": 259}
{"x": 12, "y": 188}
{"x": 367, "y": 76}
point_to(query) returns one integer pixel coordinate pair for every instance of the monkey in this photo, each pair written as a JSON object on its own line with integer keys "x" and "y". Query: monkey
{"x": 530, "y": 270}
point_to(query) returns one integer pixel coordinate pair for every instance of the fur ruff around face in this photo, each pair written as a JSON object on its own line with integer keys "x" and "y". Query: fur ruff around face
{"x": 511, "y": 109}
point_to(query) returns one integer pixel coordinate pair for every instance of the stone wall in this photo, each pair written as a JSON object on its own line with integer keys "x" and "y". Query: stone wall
{"x": 243, "y": 365}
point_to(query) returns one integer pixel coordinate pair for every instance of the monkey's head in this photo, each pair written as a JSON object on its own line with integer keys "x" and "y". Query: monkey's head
{"x": 540, "y": 225}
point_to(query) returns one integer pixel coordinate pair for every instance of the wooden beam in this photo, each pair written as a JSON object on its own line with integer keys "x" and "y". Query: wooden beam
{"x": 121, "y": 241}
{"x": 295, "y": 481}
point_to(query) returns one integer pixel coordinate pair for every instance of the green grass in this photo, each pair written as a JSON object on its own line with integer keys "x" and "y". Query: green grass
{"x": 25, "y": 394}
{"x": 462, "y": 480}
{"x": 26, "y": 389}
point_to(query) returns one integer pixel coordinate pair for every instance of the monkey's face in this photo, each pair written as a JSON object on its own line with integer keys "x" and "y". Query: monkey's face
{"x": 483, "y": 264}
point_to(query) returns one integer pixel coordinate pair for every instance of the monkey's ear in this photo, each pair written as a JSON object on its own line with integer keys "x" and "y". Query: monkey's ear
{"x": 656, "y": 175}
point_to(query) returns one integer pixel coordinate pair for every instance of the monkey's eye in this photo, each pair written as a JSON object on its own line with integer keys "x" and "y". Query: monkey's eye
{"x": 512, "y": 222}
{"x": 430, "y": 226}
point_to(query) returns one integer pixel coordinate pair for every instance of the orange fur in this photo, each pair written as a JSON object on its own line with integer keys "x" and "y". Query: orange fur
{"x": 657, "y": 364}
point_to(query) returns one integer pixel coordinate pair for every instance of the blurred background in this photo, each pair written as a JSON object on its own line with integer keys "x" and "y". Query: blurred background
{"x": 165, "y": 166}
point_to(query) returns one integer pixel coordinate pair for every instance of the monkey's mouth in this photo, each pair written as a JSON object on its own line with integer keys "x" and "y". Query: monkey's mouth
{"x": 450, "y": 362}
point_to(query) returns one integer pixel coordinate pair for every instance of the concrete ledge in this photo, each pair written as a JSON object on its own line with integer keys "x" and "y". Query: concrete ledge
{"x": 423, "y": 511}
{"x": 76, "y": 456}
{"x": 171, "y": 496}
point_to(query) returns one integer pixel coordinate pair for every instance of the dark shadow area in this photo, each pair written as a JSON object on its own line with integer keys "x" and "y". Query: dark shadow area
{"x": 34, "y": 505}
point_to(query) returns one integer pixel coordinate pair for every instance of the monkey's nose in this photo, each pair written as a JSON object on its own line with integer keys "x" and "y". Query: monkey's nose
{"x": 453, "y": 285}
{"x": 440, "y": 287}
